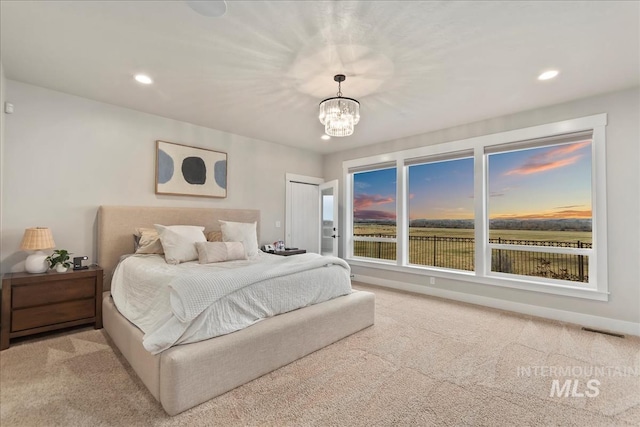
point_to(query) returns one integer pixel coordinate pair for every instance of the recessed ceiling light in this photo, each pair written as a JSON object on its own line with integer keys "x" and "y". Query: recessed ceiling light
{"x": 211, "y": 8}
{"x": 325, "y": 137}
{"x": 548, "y": 75}
{"x": 144, "y": 79}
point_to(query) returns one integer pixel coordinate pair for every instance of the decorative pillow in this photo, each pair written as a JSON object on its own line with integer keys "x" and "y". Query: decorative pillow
{"x": 148, "y": 242}
{"x": 244, "y": 232}
{"x": 136, "y": 242}
{"x": 178, "y": 242}
{"x": 219, "y": 251}
{"x": 214, "y": 236}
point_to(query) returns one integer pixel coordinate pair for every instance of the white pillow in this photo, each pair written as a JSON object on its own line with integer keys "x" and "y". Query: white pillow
{"x": 209, "y": 252}
{"x": 244, "y": 232}
{"x": 179, "y": 242}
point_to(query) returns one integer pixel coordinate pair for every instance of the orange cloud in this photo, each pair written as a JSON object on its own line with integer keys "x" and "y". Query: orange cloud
{"x": 566, "y": 149}
{"x": 551, "y": 159}
{"x": 564, "y": 214}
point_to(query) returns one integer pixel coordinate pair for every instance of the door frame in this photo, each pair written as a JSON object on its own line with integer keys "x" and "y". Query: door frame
{"x": 333, "y": 184}
{"x": 302, "y": 179}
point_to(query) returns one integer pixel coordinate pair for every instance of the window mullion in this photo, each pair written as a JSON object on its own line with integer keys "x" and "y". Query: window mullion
{"x": 347, "y": 224}
{"x": 402, "y": 221}
{"x": 481, "y": 222}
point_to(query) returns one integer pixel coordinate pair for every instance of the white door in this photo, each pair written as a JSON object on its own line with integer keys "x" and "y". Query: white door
{"x": 329, "y": 218}
{"x": 302, "y": 228}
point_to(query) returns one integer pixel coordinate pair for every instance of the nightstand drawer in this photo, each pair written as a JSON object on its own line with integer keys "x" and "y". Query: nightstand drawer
{"x": 44, "y": 315}
{"x": 53, "y": 292}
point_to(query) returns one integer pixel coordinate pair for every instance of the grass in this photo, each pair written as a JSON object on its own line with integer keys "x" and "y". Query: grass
{"x": 449, "y": 253}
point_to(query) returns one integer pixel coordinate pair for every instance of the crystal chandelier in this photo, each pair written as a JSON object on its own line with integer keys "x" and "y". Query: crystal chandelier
{"x": 339, "y": 115}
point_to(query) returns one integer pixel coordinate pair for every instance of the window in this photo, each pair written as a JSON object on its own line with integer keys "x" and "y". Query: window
{"x": 441, "y": 213}
{"x": 523, "y": 209}
{"x": 374, "y": 214}
{"x": 540, "y": 210}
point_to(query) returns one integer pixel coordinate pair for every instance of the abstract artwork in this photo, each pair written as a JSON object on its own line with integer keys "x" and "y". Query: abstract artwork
{"x": 190, "y": 171}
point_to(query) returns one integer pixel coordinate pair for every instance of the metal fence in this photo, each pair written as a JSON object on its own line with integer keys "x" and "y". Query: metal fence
{"x": 458, "y": 253}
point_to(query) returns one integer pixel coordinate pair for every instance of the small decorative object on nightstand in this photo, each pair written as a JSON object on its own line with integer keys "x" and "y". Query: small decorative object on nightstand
{"x": 77, "y": 262}
{"x": 59, "y": 260}
{"x": 34, "y": 303}
{"x": 37, "y": 239}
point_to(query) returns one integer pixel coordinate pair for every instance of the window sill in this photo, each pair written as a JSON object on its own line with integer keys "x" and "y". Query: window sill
{"x": 495, "y": 279}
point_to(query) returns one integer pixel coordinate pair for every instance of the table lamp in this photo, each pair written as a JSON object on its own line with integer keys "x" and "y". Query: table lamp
{"x": 37, "y": 239}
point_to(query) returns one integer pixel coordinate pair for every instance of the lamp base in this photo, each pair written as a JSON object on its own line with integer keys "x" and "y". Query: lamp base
{"x": 36, "y": 263}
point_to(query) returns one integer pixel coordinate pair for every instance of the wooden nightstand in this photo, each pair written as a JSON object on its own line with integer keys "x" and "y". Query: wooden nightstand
{"x": 34, "y": 303}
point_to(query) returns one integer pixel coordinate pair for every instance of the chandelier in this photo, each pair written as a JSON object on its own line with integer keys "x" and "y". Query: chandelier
{"x": 339, "y": 115}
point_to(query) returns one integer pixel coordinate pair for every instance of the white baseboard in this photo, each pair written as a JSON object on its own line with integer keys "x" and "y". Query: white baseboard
{"x": 588, "y": 320}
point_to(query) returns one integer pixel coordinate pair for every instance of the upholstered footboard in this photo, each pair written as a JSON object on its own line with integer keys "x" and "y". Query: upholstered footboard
{"x": 187, "y": 375}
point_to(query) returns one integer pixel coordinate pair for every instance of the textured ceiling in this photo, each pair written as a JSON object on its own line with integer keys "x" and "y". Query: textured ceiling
{"x": 262, "y": 68}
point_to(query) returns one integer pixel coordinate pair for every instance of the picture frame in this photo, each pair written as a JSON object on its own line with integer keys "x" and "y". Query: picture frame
{"x": 183, "y": 170}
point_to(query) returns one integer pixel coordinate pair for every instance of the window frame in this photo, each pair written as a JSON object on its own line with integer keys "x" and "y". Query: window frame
{"x": 532, "y": 144}
{"x": 596, "y": 289}
{"x": 408, "y": 163}
{"x": 375, "y": 167}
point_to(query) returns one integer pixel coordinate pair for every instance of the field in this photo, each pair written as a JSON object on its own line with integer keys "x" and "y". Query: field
{"x": 454, "y": 248}
{"x": 539, "y": 235}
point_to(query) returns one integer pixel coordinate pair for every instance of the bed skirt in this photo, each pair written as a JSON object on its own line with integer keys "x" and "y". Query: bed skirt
{"x": 186, "y": 375}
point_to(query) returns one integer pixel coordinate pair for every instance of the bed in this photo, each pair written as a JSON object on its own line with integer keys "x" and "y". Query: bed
{"x": 184, "y": 376}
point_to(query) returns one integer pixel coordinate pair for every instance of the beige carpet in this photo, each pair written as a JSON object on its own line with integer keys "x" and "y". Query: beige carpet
{"x": 426, "y": 362}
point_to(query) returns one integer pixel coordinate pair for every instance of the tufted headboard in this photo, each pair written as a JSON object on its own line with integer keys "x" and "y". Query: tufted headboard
{"x": 116, "y": 225}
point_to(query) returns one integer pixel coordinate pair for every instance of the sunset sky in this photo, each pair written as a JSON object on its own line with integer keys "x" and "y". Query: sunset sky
{"x": 374, "y": 194}
{"x": 442, "y": 190}
{"x": 548, "y": 182}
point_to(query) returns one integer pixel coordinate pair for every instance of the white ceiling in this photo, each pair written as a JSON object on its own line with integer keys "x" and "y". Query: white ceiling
{"x": 262, "y": 68}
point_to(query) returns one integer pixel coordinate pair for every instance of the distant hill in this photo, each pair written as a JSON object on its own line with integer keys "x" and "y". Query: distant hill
{"x": 442, "y": 223}
{"x": 497, "y": 224}
{"x": 570, "y": 224}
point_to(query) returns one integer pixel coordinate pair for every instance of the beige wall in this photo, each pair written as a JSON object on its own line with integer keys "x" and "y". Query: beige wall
{"x": 623, "y": 194}
{"x": 65, "y": 156}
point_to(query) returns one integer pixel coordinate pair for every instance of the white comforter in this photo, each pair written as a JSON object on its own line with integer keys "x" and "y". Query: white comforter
{"x": 190, "y": 302}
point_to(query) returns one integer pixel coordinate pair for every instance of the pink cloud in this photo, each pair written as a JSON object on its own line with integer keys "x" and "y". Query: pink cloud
{"x": 532, "y": 167}
{"x": 362, "y": 201}
{"x": 551, "y": 159}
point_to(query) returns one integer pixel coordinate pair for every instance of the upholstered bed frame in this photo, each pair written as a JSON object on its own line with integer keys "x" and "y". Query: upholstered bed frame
{"x": 187, "y": 375}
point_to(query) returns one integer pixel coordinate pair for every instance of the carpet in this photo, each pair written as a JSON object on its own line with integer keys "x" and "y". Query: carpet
{"x": 426, "y": 362}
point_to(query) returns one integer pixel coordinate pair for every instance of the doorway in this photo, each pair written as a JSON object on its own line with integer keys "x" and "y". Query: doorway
{"x": 302, "y": 223}
{"x": 311, "y": 214}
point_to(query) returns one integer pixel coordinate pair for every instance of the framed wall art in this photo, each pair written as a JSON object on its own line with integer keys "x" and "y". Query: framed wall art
{"x": 190, "y": 171}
